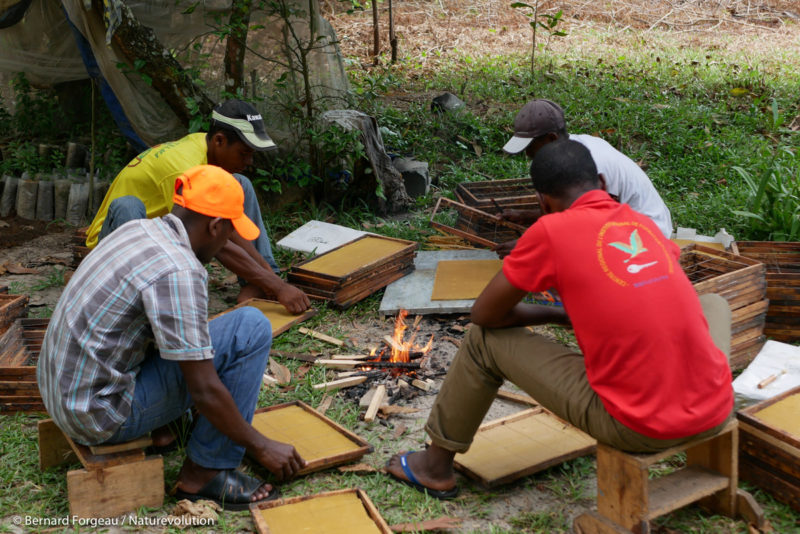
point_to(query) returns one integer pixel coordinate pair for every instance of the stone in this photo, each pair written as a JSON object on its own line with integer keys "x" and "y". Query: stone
{"x": 415, "y": 176}
{"x": 447, "y": 102}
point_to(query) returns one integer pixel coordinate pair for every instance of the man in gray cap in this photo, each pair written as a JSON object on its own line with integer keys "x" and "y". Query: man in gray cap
{"x": 541, "y": 122}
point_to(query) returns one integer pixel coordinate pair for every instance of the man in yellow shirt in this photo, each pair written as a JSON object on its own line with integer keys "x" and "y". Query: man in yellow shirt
{"x": 144, "y": 189}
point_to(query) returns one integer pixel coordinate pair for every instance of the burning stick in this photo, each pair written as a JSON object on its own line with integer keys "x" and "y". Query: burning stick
{"x": 377, "y": 400}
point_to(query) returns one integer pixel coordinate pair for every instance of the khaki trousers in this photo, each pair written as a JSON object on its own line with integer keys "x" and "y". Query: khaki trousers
{"x": 552, "y": 374}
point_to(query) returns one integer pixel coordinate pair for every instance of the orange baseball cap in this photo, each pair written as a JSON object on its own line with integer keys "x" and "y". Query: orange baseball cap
{"x": 213, "y": 191}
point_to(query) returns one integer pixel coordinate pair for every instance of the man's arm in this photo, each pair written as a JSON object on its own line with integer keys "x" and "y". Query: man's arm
{"x": 499, "y": 306}
{"x": 213, "y": 400}
{"x": 248, "y": 264}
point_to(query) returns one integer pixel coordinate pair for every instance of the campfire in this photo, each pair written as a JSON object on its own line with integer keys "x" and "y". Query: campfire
{"x": 397, "y": 353}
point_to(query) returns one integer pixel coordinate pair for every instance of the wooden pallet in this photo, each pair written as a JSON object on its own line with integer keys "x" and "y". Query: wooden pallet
{"x": 517, "y": 193}
{"x": 347, "y": 510}
{"x": 742, "y": 282}
{"x": 11, "y": 308}
{"x": 521, "y": 444}
{"x": 474, "y": 225}
{"x": 280, "y": 319}
{"x": 79, "y": 248}
{"x": 782, "y": 260}
{"x": 319, "y": 440}
{"x": 769, "y": 450}
{"x": 353, "y": 271}
{"x": 19, "y": 352}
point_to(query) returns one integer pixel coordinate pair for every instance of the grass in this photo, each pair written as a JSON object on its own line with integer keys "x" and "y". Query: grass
{"x": 688, "y": 114}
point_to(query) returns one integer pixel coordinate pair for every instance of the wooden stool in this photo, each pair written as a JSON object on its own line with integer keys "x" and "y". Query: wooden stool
{"x": 115, "y": 478}
{"x": 627, "y": 499}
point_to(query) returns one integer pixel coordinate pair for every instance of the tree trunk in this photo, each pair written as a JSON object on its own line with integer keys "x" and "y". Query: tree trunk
{"x": 376, "y": 35}
{"x": 236, "y": 45}
{"x": 392, "y": 36}
{"x": 173, "y": 83}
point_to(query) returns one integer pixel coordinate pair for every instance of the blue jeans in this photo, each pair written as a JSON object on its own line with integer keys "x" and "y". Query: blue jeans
{"x": 241, "y": 339}
{"x": 129, "y": 208}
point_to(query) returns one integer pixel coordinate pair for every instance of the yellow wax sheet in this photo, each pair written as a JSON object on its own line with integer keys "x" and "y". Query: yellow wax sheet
{"x": 351, "y": 257}
{"x": 463, "y": 279}
{"x": 279, "y": 318}
{"x": 334, "y": 514}
{"x": 313, "y": 438}
{"x": 783, "y": 415}
{"x": 521, "y": 445}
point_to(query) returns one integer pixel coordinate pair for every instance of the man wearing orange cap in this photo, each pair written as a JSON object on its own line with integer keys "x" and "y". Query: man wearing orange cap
{"x": 129, "y": 347}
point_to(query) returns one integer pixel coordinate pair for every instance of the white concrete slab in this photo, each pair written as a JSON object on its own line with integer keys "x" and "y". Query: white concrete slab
{"x": 413, "y": 292}
{"x": 318, "y": 237}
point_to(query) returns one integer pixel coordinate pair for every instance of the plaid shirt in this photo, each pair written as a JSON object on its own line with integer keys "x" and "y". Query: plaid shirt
{"x": 141, "y": 284}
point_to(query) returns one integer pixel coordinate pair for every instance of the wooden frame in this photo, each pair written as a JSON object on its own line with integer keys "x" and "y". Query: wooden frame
{"x": 362, "y": 446}
{"x": 517, "y": 193}
{"x": 19, "y": 350}
{"x": 538, "y": 412}
{"x": 474, "y": 225}
{"x": 782, "y": 260}
{"x": 769, "y": 457}
{"x": 11, "y": 308}
{"x": 311, "y": 312}
{"x": 263, "y": 528}
{"x": 742, "y": 282}
{"x": 351, "y": 287}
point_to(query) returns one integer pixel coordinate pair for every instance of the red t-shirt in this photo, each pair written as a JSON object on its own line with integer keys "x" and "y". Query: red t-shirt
{"x": 648, "y": 352}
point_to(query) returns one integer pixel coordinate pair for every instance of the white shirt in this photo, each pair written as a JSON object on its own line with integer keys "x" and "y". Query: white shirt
{"x": 626, "y": 181}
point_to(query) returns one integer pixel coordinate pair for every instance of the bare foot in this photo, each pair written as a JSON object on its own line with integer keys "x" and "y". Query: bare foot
{"x": 433, "y": 468}
{"x": 249, "y": 291}
{"x": 162, "y": 436}
{"x": 193, "y": 478}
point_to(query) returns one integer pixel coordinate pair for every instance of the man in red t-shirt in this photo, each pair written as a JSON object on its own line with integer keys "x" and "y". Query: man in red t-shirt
{"x": 653, "y": 372}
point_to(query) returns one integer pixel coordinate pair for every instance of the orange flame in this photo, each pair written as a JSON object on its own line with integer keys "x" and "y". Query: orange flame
{"x": 401, "y": 349}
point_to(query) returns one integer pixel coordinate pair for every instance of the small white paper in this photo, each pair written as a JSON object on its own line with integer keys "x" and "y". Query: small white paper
{"x": 317, "y": 237}
{"x": 775, "y": 359}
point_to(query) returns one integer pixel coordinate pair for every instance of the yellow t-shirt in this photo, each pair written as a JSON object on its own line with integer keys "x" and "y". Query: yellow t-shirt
{"x": 150, "y": 176}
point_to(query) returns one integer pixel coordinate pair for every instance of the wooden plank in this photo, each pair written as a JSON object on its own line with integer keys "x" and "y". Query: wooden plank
{"x": 114, "y": 448}
{"x": 339, "y": 364}
{"x": 522, "y": 398}
{"x": 322, "y": 442}
{"x": 320, "y": 336}
{"x": 622, "y": 494}
{"x": 376, "y": 402}
{"x": 117, "y": 489}
{"x": 682, "y": 487}
{"x": 101, "y": 461}
{"x": 593, "y": 523}
{"x": 341, "y": 383}
{"x": 719, "y": 456}
{"x": 54, "y": 448}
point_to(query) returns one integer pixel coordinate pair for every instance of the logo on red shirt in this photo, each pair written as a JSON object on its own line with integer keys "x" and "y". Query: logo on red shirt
{"x": 620, "y": 243}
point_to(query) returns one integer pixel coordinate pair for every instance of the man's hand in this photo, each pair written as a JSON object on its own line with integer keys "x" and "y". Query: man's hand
{"x": 292, "y": 298}
{"x": 281, "y": 459}
{"x": 504, "y": 249}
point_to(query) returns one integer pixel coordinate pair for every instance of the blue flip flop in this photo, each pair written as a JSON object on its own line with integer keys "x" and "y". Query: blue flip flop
{"x": 414, "y": 483}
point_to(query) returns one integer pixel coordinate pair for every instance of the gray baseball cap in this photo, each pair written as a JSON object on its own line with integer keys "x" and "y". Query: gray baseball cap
{"x": 535, "y": 119}
{"x": 246, "y": 121}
